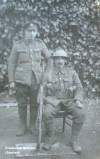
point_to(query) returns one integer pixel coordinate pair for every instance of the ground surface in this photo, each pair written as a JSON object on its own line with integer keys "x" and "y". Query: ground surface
{"x": 89, "y": 137}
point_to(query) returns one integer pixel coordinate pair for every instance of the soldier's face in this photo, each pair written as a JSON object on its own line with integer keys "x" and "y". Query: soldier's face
{"x": 60, "y": 62}
{"x": 30, "y": 33}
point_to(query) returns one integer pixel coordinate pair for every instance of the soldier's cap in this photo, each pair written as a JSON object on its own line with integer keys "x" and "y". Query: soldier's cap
{"x": 30, "y": 26}
{"x": 60, "y": 53}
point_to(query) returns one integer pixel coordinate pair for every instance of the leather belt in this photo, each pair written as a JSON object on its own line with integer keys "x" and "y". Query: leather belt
{"x": 24, "y": 62}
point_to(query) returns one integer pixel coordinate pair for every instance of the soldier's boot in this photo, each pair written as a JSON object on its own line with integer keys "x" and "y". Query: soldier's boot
{"x": 48, "y": 135}
{"x": 74, "y": 138}
{"x": 22, "y": 121}
{"x": 22, "y": 129}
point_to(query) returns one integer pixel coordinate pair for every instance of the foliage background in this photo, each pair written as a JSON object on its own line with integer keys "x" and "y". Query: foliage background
{"x": 71, "y": 24}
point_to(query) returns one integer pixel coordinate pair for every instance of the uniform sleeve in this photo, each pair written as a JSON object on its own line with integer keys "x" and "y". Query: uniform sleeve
{"x": 79, "y": 89}
{"x": 44, "y": 83}
{"x": 47, "y": 82}
{"x": 12, "y": 62}
{"x": 46, "y": 79}
{"x": 45, "y": 51}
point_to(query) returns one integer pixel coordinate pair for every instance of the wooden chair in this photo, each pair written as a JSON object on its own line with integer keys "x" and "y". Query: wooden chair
{"x": 66, "y": 120}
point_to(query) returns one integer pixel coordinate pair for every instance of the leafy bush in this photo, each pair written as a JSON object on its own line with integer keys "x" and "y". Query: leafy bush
{"x": 71, "y": 24}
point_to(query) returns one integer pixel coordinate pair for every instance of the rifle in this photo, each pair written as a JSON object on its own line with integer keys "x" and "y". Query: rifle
{"x": 40, "y": 118}
{"x": 40, "y": 109}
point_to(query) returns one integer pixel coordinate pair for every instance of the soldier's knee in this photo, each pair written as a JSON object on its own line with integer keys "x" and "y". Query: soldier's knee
{"x": 46, "y": 115}
{"x": 80, "y": 117}
{"x": 48, "y": 111}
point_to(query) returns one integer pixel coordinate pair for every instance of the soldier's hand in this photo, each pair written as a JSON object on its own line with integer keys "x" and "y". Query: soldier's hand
{"x": 79, "y": 104}
{"x": 11, "y": 88}
{"x": 12, "y": 85}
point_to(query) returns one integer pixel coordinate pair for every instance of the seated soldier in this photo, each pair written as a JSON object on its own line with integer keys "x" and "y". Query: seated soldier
{"x": 62, "y": 87}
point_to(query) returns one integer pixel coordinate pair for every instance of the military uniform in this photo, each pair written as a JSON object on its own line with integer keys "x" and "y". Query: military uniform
{"x": 63, "y": 91}
{"x": 24, "y": 68}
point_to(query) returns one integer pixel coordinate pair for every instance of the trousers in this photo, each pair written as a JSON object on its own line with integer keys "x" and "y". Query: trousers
{"x": 26, "y": 95}
{"x": 78, "y": 117}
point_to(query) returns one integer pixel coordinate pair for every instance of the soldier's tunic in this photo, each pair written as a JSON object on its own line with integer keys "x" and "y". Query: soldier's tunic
{"x": 25, "y": 59}
{"x": 62, "y": 90}
{"x": 24, "y": 68}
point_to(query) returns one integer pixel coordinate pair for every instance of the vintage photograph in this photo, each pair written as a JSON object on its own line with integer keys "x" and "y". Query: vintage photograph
{"x": 49, "y": 79}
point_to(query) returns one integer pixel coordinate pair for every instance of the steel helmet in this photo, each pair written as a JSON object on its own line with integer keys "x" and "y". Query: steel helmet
{"x": 60, "y": 53}
{"x": 30, "y": 26}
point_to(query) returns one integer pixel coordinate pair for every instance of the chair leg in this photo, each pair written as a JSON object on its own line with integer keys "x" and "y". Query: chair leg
{"x": 64, "y": 118}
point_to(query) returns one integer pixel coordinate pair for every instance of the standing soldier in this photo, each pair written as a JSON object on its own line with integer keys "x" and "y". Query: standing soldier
{"x": 24, "y": 72}
{"x": 63, "y": 89}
